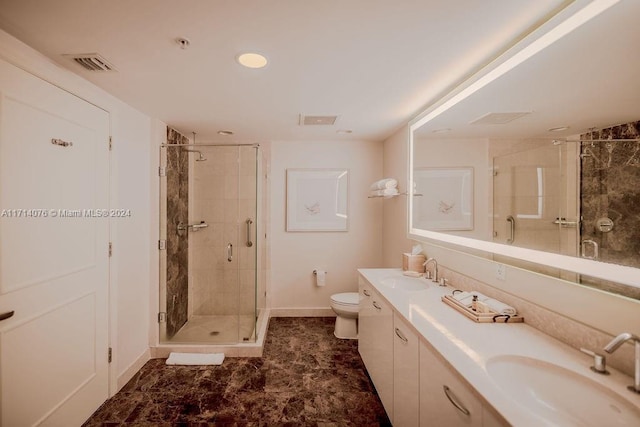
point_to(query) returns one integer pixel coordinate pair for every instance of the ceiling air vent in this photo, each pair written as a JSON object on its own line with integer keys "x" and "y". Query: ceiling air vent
{"x": 91, "y": 62}
{"x": 499, "y": 118}
{"x": 317, "y": 120}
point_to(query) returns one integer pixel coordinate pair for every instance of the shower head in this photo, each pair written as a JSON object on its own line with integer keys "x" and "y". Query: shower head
{"x": 200, "y": 158}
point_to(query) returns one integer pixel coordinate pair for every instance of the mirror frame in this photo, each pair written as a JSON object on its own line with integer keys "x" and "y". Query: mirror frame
{"x": 546, "y": 35}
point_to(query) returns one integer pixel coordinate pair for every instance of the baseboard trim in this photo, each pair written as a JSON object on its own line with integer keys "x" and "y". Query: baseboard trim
{"x": 303, "y": 312}
{"x": 132, "y": 369}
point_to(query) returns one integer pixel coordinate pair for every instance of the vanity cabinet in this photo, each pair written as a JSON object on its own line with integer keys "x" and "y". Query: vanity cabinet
{"x": 375, "y": 341}
{"x": 445, "y": 400}
{"x": 406, "y": 381}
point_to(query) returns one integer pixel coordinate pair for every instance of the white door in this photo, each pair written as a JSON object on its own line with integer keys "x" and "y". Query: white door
{"x": 54, "y": 266}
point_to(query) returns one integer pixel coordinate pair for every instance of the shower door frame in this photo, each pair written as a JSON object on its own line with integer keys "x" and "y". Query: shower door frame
{"x": 257, "y": 228}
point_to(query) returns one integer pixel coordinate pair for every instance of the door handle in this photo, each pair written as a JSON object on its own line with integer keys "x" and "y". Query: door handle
{"x": 452, "y": 398}
{"x": 249, "y": 242}
{"x": 7, "y": 315}
{"x": 401, "y": 336}
{"x": 512, "y": 229}
{"x": 594, "y": 245}
{"x": 229, "y": 252}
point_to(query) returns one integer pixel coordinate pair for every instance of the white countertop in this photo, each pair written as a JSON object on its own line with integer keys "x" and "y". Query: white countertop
{"x": 468, "y": 345}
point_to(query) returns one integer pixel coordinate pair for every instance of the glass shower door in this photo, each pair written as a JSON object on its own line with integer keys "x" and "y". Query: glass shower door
{"x": 219, "y": 235}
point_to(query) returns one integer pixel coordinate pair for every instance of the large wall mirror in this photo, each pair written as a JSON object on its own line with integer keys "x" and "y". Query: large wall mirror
{"x": 540, "y": 166}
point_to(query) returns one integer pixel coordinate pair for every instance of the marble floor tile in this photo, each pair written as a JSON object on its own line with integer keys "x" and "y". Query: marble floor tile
{"x": 307, "y": 377}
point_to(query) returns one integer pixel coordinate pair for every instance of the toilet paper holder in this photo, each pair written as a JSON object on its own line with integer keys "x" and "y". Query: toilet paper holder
{"x": 315, "y": 272}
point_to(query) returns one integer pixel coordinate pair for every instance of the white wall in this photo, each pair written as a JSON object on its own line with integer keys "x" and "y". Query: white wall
{"x": 294, "y": 255}
{"x": 395, "y": 210}
{"x": 130, "y": 189}
{"x": 131, "y": 131}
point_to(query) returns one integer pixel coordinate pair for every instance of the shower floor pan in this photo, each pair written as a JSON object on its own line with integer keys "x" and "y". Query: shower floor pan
{"x": 199, "y": 335}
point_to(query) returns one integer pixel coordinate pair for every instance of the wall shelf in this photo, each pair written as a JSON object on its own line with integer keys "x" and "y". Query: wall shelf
{"x": 393, "y": 195}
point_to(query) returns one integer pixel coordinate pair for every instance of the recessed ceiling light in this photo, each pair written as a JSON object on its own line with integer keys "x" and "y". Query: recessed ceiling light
{"x": 225, "y": 132}
{"x": 344, "y": 131}
{"x": 558, "y": 129}
{"x": 252, "y": 60}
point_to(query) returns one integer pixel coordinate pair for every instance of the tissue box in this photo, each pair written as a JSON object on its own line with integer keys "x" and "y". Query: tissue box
{"x": 413, "y": 262}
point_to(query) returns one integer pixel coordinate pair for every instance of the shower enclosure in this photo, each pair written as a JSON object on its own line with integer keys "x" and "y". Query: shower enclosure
{"x": 209, "y": 273}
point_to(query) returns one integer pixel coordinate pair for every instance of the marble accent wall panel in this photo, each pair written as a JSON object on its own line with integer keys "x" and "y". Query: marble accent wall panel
{"x": 177, "y": 244}
{"x": 610, "y": 188}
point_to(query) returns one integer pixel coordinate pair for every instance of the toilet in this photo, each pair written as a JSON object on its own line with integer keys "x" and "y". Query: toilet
{"x": 345, "y": 305}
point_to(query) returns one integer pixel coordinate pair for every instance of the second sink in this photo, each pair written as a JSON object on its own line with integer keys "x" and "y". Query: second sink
{"x": 559, "y": 395}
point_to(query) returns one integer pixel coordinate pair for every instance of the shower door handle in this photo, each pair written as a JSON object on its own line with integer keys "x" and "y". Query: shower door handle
{"x": 594, "y": 246}
{"x": 229, "y": 252}
{"x": 249, "y": 242}
{"x": 512, "y": 229}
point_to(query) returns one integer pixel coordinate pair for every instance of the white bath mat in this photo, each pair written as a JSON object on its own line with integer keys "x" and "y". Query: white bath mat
{"x": 195, "y": 359}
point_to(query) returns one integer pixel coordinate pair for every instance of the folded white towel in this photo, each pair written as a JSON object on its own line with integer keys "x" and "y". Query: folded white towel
{"x": 500, "y": 307}
{"x": 384, "y": 183}
{"x": 461, "y": 295}
{"x": 467, "y": 299}
{"x": 195, "y": 359}
{"x": 385, "y": 192}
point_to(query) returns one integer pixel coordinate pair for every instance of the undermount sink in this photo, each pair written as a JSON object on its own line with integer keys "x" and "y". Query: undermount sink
{"x": 559, "y": 395}
{"x": 404, "y": 283}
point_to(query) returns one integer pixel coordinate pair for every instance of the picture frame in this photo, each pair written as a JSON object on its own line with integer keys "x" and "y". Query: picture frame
{"x": 317, "y": 200}
{"x": 447, "y": 202}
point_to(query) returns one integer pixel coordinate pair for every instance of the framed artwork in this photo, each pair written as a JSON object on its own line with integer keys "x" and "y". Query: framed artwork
{"x": 317, "y": 199}
{"x": 447, "y": 201}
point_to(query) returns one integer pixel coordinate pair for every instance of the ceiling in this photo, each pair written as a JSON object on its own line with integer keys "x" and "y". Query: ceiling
{"x": 373, "y": 63}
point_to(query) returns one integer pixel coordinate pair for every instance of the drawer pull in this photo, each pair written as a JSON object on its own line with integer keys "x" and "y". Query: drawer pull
{"x": 375, "y": 304}
{"x": 452, "y": 398}
{"x": 401, "y": 336}
{"x": 7, "y": 315}
{"x": 366, "y": 292}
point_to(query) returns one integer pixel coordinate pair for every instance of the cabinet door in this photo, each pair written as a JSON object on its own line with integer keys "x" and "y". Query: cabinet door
{"x": 405, "y": 374}
{"x": 375, "y": 343}
{"x": 445, "y": 400}
{"x": 366, "y": 331}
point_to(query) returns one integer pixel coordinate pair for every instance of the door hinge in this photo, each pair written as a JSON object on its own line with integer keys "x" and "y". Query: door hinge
{"x": 162, "y": 171}
{"x": 110, "y": 143}
{"x": 162, "y": 317}
{"x": 162, "y": 245}
{"x": 110, "y": 355}
{"x": 110, "y": 249}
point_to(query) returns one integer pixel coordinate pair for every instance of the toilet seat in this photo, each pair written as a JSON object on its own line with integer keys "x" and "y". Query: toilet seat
{"x": 346, "y": 299}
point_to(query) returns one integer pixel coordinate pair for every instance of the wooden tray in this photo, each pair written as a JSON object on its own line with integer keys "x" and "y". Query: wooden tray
{"x": 491, "y": 317}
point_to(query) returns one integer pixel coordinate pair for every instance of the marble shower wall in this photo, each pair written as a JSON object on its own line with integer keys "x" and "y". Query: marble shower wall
{"x": 177, "y": 245}
{"x": 610, "y": 188}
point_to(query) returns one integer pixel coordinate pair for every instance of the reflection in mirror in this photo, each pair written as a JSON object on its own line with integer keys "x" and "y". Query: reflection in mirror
{"x": 554, "y": 150}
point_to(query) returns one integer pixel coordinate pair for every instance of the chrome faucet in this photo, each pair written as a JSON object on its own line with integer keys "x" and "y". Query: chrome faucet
{"x": 617, "y": 342}
{"x": 435, "y": 268}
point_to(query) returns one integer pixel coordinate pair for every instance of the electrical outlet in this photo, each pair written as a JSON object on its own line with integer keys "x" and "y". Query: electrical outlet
{"x": 501, "y": 272}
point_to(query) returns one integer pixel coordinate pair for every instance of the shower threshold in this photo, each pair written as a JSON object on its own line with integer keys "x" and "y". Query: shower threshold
{"x": 202, "y": 328}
